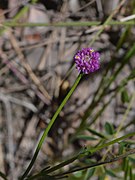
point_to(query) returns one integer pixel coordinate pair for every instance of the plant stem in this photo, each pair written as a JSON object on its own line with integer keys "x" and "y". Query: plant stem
{"x": 65, "y": 24}
{"x": 69, "y": 161}
{"x": 50, "y": 125}
{"x": 111, "y": 142}
{"x": 54, "y": 168}
{"x": 116, "y": 158}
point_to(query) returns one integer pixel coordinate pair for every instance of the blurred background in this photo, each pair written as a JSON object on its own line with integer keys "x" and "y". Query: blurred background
{"x": 36, "y": 73}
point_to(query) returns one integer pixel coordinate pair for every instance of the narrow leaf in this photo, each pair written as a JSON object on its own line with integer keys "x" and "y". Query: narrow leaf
{"x": 96, "y": 133}
{"x": 84, "y": 137}
{"x": 109, "y": 128}
{"x": 124, "y": 96}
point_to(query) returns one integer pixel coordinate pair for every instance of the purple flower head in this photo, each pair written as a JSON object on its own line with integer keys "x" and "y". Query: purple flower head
{"x": 87, "y": 60}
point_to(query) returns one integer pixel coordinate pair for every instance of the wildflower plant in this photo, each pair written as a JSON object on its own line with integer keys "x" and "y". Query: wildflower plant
{"x": 87, "y": 61}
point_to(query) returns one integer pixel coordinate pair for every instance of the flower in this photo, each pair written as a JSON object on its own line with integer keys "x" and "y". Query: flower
{"x": 87, "y": 60}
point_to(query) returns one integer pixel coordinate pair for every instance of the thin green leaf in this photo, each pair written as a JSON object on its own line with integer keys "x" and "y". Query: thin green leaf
{"x": 84, "y": 137}
{"x": 124, "y": 96}
{"x": 89, "y": 173}
{"x": 111, "y": 173}
{"x": 127, "y": 171}
{"x": 41, "y": 176}
{"x": 96, "y": 133}
{"x": 109, "y": 128}
{"x": 125, "y": 164}
{"x": 130, "y": 173}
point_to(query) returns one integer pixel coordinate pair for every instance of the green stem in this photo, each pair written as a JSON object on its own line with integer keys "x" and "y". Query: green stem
{"x": 65, "y": 24}
{"x": 111, "y": 142}
{"x": 48, "y": 171}
{"x": 50, "y": 125}
{"x": 117, "y": 158}
{"x": 69, "y": 161}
